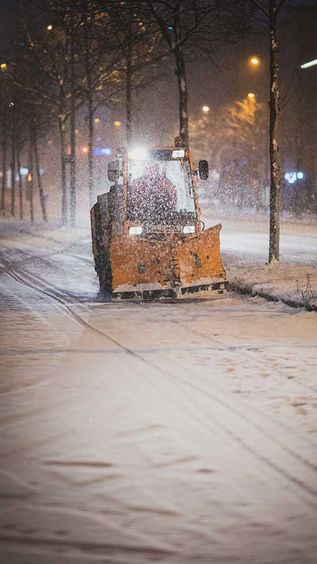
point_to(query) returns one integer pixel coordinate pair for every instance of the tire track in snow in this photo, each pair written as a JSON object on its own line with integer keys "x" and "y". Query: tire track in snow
{"x": 56, "y": 293}
{"x": 87, "y": 547}
{"x": 29, "y": 257}
{"x": 246, "y": 352}
{"x": 28, "y": 280}
{"x": 218, "y": 395}
{"x": 25, "y": 280}
{"x": 285, "y": 473}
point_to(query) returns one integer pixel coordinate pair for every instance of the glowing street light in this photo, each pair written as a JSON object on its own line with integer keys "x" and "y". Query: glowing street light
{"x": 254, "y": 61}
{"x": 292, "y": 176}
{"x": 117, "y": 123}
{"x": 97, "y": 120}
{"x": 4, "y": 67}
{"x": 205, "y": 109}
{"x": 49, "y": 27}
{"x": 84, "y": 150}
{"x": 309, "y": 64}
{"x": 251, "y": 96}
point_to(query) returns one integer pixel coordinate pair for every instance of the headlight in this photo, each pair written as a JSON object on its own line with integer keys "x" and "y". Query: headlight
{"x": 189, "y": 229}
{"x": 137, "y": 230}
{"x": 178, "y": 154}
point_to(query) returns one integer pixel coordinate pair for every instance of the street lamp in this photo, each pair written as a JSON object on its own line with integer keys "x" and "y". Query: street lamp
{"x": 205, "y": 109}
{"x": 117, "y": 123}
{"x": 309, "y": 64}
{"x": 251, "y": 96}
{"x": 254, "y": 61}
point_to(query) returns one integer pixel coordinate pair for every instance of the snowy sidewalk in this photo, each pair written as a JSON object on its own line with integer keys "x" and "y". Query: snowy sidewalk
{"x": 295, "y": 285}
{"x": 244, "y": 243}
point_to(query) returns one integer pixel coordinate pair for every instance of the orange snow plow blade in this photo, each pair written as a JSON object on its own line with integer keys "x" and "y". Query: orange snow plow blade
{"x": 146, "y": 268}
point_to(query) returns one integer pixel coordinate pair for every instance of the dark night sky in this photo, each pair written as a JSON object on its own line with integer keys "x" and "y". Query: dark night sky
{"x": 207, "y": 84}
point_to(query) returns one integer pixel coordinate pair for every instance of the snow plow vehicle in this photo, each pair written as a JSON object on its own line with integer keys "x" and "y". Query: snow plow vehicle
{"x": 147, "y": 237}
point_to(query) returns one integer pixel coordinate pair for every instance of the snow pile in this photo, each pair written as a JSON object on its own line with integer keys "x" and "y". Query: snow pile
{"x": 295, "y": 285}
{"x": 244, "y": 247}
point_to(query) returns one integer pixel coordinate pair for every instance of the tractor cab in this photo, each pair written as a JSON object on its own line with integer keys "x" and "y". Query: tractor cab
{"x": 157, "y": 190}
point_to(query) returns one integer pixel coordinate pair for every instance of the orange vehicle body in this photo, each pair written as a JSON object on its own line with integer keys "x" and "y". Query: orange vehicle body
{"x": 159, "y": 259}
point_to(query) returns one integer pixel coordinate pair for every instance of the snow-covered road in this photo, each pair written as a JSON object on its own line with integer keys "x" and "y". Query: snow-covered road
{"x": 160, "y": 432}
{"x": 248, "y": 238}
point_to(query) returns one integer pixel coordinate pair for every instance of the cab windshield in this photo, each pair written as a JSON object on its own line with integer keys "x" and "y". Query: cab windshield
{"x": 160, "y": 191}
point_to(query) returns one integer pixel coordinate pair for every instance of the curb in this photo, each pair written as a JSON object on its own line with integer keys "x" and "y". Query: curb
{"x": 248, "y": 290}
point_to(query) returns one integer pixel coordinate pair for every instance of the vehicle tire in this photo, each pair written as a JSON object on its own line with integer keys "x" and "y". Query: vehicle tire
{"x": 103, "y": 269}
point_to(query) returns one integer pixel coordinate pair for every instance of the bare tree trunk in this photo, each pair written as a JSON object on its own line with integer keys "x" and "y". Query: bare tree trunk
{"x": 73, "y": 187}
{"x": 62, "y": 133}
{"x": 91, "y": 135}
{"x": 258, "y": 195}
{"x": 128, "y": 102}
{"x": 13, "y": 168}
{"x": 183, "y": 95}
{"x": 274, "y": 138}
{"x": 91, "y": 132}
{"x": 128, "y": 86}
{"x": 38, "y": 175}
{"x": 174, "y": 40}
{"x": 20, "y": 177}
{"x": 20, "y": 194}
{"x": 31, "y": 181}
{"x": 4, "y": 167}
{"x": 180, "y": 71}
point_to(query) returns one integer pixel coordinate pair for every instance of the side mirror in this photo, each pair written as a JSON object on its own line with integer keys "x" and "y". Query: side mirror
{"x": 203, "y": 170}
{"x": 113, "y": 171}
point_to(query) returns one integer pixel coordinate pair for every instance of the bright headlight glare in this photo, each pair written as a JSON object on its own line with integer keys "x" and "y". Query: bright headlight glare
{"x": 178, "y": 154}
{"x": 189, "y": 229}
{"x": 137, "y": 230}
{"x": 138, "y": 153}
